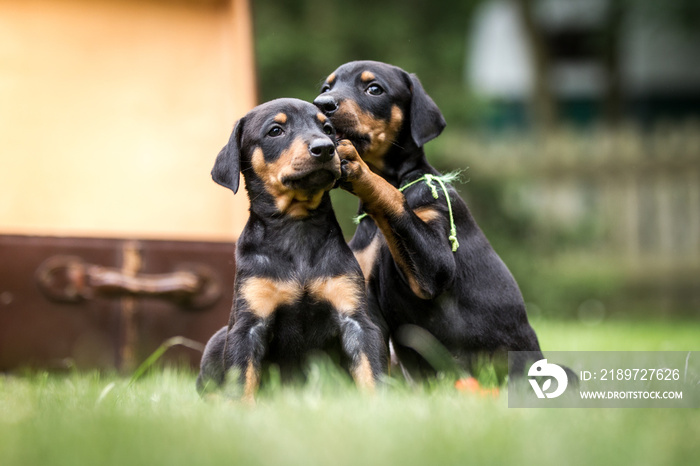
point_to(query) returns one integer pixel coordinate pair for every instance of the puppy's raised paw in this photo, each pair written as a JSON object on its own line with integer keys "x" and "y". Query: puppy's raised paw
{"x": 351, "y": 164}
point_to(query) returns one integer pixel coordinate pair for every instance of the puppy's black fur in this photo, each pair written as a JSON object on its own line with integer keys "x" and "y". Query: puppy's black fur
{"x": 467, "y": 299}
{"x": 298, "y": 287}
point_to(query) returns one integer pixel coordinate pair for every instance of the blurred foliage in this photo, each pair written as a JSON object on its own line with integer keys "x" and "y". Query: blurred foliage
{"x": 299, "y": 43}
{"x": 683, "y": 14}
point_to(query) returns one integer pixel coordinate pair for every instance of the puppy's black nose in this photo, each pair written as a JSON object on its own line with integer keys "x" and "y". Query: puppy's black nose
{"x": 326, "y": 103}
{"x": 322, "y": 149}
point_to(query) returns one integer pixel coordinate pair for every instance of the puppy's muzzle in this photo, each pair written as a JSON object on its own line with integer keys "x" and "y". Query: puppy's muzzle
{"x": 326, "y": 103}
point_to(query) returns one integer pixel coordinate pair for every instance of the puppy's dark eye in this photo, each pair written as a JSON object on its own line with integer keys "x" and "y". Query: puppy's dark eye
{"x": 328, "y": 129}
{"x": 275, "y": 131}
{"x": 325, "y": 88}
{"x": 375, "y": 89}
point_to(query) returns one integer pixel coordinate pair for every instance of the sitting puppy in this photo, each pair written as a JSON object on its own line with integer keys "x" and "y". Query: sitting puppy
{"x": 427, "y": 264}
{"x": 298, "y": 287}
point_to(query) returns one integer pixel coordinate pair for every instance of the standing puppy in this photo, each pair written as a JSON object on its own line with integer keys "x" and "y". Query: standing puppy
{"x": 427, "y": 264}
{"x": 298, "y": 287}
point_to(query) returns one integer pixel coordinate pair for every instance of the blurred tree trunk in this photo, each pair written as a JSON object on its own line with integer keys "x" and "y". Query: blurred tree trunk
{"x": 543, "y": 102}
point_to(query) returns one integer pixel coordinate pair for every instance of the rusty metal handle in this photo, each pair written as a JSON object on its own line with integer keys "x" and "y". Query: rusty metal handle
{"x": 70, "y": 279}
{"x": 106, "y": 280}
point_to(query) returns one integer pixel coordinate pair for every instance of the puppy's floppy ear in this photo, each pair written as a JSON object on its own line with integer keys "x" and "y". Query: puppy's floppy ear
{"x": 227, "y": 167}
{"x": 427, "y": 121}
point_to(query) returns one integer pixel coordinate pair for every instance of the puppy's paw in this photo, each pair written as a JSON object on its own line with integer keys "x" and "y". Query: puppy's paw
{"x": 351, "y": 164}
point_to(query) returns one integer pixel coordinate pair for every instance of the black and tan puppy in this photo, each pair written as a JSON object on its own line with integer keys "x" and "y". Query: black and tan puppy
{"x": 420, "y": 274}
{"x": 298, "y": 287}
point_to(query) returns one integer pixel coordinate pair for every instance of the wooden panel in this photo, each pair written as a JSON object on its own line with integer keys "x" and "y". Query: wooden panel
{"x": 106, "y": 329}
{"x": 113, "y": 112}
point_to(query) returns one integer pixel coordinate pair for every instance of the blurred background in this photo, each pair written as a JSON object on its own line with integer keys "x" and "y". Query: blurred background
{"x": 577, "y": 123}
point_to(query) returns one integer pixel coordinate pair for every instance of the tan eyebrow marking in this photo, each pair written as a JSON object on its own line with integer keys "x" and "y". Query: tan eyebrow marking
{"x": 331, "y": 78}
{"x": 321, "y": 117}
{"x": 280, "y": 118}
{"x": 367, "y": 76}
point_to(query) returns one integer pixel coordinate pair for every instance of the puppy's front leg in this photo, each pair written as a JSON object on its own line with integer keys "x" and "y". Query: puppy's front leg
{"x": 363, "y": 345}
{"x": 361, "y": 339}
{"x": 257, "y": 300}
{"x": 246, "y": 348}
{"x": 417, "y": 240}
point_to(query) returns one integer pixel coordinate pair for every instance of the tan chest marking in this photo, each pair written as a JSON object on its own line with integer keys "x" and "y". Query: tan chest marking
{"x": 264, "y": 295}
{"x": 343, "y": 292}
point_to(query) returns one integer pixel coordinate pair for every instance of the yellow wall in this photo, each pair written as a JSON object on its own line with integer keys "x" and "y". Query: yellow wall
{"x": 112, "y": 113}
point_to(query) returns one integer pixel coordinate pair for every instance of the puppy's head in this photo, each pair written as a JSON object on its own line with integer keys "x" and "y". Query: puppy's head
{"x": 286, "y": 151}
{"x": 379, "y": 106}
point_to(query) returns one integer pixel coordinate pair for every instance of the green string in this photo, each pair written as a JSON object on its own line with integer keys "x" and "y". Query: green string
{"x": 428, "y": 178}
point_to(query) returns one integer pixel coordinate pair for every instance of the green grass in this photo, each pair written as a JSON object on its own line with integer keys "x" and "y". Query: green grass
{"x": 98, "y": 419}
{"x": 618, "y": 335}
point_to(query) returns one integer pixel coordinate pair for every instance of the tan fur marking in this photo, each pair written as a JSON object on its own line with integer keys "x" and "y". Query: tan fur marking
{"x": 382, "y": 133}
{"x": 331, "y": 78}
{"x": 362, "y": 374}
{"x": 382, "y": 201}
{"x": 385, "y": 227}
{"x": 367, "y": 257}
{"x": 280, "y": 118}
{"x": 415, "y": 287}
{"x": 427, "y": 214}
{"x": 251, "y": 384}
{"x": 300, "y": 204}
{"x": 265, "y": 295}
{"x": 342, "y": 292}
{"x": 294, "y": 159}
{"x": 321, "y": 117}
{"x": 367, "y": 76}
{"x": 379, "y": 197}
